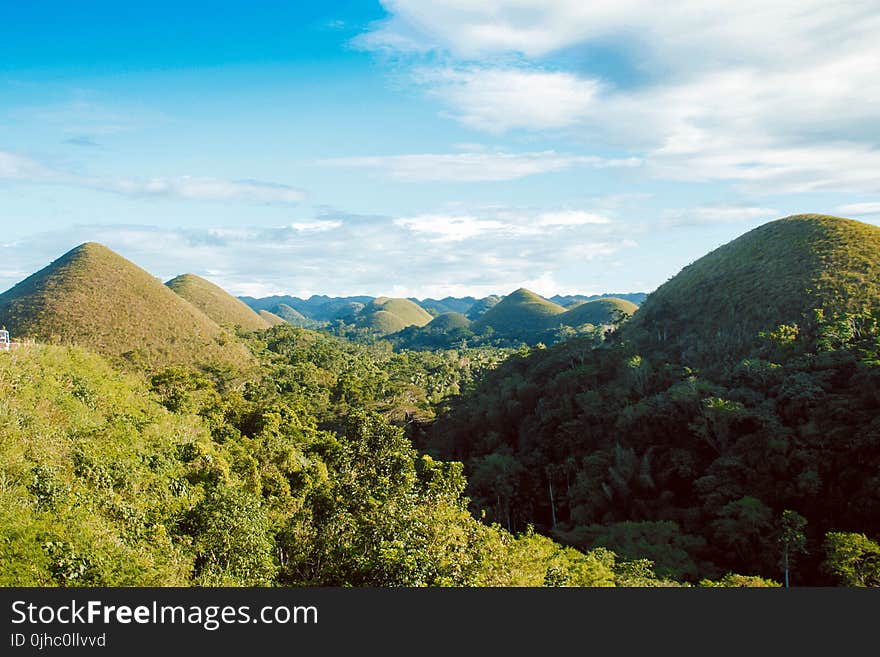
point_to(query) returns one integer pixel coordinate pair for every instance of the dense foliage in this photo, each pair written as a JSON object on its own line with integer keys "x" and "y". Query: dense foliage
{"x": 610, "y": 447}
{"x": 296, "y": 476}
{"x": 727, "y": 435}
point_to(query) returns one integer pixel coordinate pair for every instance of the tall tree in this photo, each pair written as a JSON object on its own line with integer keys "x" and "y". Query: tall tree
{"x": 792, "y": 540}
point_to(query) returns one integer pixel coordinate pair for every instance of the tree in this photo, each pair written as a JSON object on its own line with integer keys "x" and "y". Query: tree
{"x": 853, "y": 558}
{"x": 792, "y": 540}
{"x": 742, "y": 529}
{"x": 231, "y": 539}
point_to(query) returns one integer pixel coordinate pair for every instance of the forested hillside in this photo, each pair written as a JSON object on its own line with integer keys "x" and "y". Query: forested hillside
{"x": 299, "y": 476}
{"x": 740, "y": 407}
{"x": 719, "y": 437}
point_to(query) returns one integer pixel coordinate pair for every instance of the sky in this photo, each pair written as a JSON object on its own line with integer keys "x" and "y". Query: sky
{"x": 428, "y": 148}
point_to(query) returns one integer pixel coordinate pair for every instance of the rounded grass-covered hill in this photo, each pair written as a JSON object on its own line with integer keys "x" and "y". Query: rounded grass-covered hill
{"x": 290, "y": 315}
{"x": 97, "y": 299}
{"x": 782, "y": 272}
{"x": 272, "y": 319}
{"x": 216, "y": 302}
{"x": 598, "y": 312}
{"x": 449, "y": 321}
{"x": 385, "y": 315}
{"x": 519, "y": 312}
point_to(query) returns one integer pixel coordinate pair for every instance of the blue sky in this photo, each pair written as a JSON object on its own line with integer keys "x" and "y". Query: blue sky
{"x": 424, "y": 148}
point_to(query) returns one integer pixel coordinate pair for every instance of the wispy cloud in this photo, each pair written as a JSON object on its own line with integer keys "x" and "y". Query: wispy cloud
{"x": 191, "y": 188}
{"x": 446, "y": 228}
{"x": 483, "y": 251}
{"x": 716, "y": 214}
{"x": 571, "y": 218}
{"x": 82, "y": 140}
{"x": 777, "y": 98}
{"x": 499, "y": 99}
{"x": 748, "y": 30}
{"x": 18, "y": 167}
{"x": 480, "y": 166}
{"x": 198, "y": 189}
{"x": 860, "y": 209}
{"x": 316, "y": 226}
{"x": 86, "y": 114}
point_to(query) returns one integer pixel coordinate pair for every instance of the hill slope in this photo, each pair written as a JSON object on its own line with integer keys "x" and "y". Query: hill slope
{"x": 291, "y": 315}
{"x": 386, "y": 315}
{"x": 689, "y": 433}
{"x": 597, "y": 313}
{"x": 481, "y": 306}
{"x": 449, "y": 322}
{"x": 271, "y": 318}
{"x": 519, "y": 313}
{"x": 569, "y": 300}
{"x": 775, "y": 274}
{"x": 216, "y": 302}
{"x": 97, "y": 299}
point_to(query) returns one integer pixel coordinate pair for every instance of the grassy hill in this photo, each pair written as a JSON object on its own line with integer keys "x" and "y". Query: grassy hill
{"x": 216, "y": 302}
{"x": 383, "y": 322}
{"x": 317, "y": 308}
{"x": 521, "y": 317}
{"x": 569, "y": 300}
{"x": 519, "y": 313}
{"x": 686, "y": 432}
{"x": 597, "y": 313}
{"x": 271, "y": 318}
{"x": 291, "y": 315}
{"x": 778, "y": 273}
{"x": 97, "y": 299}
{"x": 449, "y": 322}
{"x": 385, "y": 315}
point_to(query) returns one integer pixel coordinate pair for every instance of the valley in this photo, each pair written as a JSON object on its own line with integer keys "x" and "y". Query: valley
{"x": 721, "y": 430}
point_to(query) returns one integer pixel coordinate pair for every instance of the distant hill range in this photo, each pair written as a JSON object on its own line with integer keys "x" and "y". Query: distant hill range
{"x": 569, "y": 300}
{"x": 316, "y": 309}
{"x": 521, "y": 316}
{"x": 97, "y": 299}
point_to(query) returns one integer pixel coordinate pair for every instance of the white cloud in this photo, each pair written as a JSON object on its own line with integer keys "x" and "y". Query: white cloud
{"x": 474, "y": 166}
{"x": 779, "y": 97}
{"x": 721, "y": 214}
{"x": 316, "y": 226}
{"x": 480, "y": 251}
{"x": 497, "y": 100}
{"x": 191, "y": 188}
{"x": 445, "y": 228}
{"x": 546, "y": 284}
{"x": 593, "y": 250}
{"x": 859, "y": 209}
{"x": 571, "y": 218}
{"x": 18, "y": 167}
{"x": 503, "y": 223}
{"x": 198, "y": 189}
{"x": 749, "y": 29}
